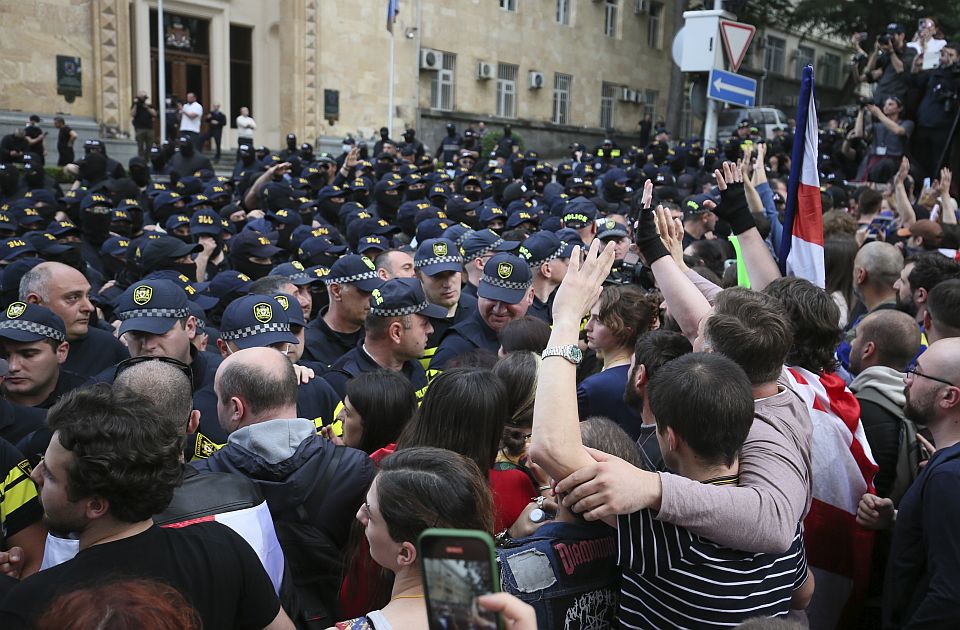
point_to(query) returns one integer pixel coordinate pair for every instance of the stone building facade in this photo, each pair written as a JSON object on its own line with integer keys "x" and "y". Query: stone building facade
{"x": 558, "y": 70}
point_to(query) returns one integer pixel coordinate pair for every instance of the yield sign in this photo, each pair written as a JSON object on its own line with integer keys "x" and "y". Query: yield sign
{"x": 736, "y": 40}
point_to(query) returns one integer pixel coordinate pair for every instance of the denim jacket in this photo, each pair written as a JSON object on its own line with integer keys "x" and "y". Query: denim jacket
{"x": 567, "y": 572}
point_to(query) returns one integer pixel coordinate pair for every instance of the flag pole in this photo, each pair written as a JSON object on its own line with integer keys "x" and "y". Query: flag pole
{"x": 390, "y": 92}
{"x": 161, "y": 75}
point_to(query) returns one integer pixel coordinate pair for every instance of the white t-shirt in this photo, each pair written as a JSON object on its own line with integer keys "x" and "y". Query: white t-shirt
{"x": 191, "y": 124}
{"x": 245, "y": 126}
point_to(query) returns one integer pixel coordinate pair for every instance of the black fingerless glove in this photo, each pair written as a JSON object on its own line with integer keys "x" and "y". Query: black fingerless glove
{"x": 733, "y": 208}
{"x": 647, "y": 239}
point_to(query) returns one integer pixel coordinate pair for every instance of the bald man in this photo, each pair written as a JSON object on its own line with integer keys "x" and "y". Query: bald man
{"x": 876, "y": 270}
{"x": 924, "y": 569}
{"x": 885, "y": 344}
{"x": 66, "y": 292}
{"x": 313, "y": 488}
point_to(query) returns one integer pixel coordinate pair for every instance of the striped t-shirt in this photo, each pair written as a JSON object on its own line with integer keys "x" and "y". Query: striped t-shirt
{"x": 675, "y": 579}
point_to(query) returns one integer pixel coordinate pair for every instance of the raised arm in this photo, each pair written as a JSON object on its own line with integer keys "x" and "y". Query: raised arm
{"x": 908, "y": 216}
{"x": 555, "y": 444}
{"x": 735, "y": 210}
{"x": 948, "y": 203}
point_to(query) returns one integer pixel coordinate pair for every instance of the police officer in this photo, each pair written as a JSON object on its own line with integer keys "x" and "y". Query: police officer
{"x": 450, "y": 145}
{"x": 548, "y": 257}
{"x": 505, "y": 293}
{"x": 397, "y": 330}
{"x": 339, "y": 327}
{"x": 439, "y": 266}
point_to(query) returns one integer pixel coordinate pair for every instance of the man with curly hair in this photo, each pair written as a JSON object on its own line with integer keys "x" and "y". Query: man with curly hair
{"x": 104, "y": 476}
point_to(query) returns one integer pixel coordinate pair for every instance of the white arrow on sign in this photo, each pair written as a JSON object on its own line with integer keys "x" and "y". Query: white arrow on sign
{"x": 729, "y": 87}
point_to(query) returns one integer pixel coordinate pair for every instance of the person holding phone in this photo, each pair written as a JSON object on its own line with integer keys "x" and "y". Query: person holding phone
{"x": 416, "y": 489}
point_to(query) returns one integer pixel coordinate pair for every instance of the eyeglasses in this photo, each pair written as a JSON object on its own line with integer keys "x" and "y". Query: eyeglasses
{"x": 128, "y": 363}
{"x": 913, "y": 373}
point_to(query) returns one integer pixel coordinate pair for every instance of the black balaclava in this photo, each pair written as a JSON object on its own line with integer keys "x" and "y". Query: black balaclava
{"x": 382, "y": 168}
{"x": 113, "y": 267}
{"x": 498, "y": 186}
{"x": 73, "y": 257}
{"x": 244, "y": 265}
{"x": 188, "y": 269}
{"x": 95, "y": 226}
{"x": 93, "y": 168}
{"x": 612, "y": 192}
{"x": 306, "y": 152}
{"x": 387, "y": 205}
{"x": 292, "y": 141}
{"x": 451, "y": 131}
{"x": 122, "y": 228}
{"x": 33, "y": 176}
{"x": 9, "y": 181}
{"x": 168, "y": 149}
{"x": 507, "y": 131}
{"x": 307, "y": 214}
{"x": 186, "y": 147}
{"x": 416, "y": 193}
{"x": 139, "y": 172}
{"x": 361, "y": 197}
{"x": 330, "y": 210}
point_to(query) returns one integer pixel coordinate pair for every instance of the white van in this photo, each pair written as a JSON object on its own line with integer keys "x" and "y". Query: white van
{"x": 763, "y": 118}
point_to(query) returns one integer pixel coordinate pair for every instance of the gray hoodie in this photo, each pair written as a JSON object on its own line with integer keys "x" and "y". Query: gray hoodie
{"x": 887, "y": 381}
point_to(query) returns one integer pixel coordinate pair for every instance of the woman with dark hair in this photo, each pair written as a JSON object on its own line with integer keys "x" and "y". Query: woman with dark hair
{"x": 376, "y": 407}
{"x": 525, "y": 333}
{"x": 518, "y": 373}
{"x": 839, "y": 252}
{"x": 814, "y": 318}
{"x": 464, "y": 411}
{"x": 416, "y": 488}
{"x": 619, "y": 317}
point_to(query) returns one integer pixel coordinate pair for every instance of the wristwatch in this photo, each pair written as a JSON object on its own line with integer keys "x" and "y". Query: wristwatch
{"x": 569, "y": 352}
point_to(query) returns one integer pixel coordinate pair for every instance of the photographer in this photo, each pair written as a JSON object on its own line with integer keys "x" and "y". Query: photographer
{"x": 937, "y": 111}
{"x": 887, "y": 135}
{"x": 142, "y": 113}
{"x": 889, "y": 65}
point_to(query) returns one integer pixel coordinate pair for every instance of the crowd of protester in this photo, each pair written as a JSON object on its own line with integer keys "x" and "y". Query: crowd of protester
{"x": 238, "y": 400}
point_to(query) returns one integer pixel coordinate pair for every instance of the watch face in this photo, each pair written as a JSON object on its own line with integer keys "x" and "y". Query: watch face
{"x": 576, "y": 354}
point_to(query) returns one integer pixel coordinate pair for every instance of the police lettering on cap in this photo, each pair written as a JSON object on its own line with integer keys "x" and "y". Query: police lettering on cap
{"x": 437, "y": 255}
{"x": 205, "y": 222}
{"x": 400, "y": 297}
{"x": 523, "y": 216}
{"x": 151, "y": 306}
{"x": 372, "y": 243}
{"x": 255, "y": 321}
{"x": 354, "y": 269}
{"x": 229, "y": 281}
{"x": 16, "y": 247}
{"x": 27, "y": 323}
{"x": 579, "y": 212}
{"x": 506, "y": 278}
{"x": 294, "y": 315}
{"x": 115, "y": 246}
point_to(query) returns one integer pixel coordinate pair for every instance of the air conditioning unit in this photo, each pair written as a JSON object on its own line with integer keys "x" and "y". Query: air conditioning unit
{"x": 638, "y": 96}
{"x": 484, "y": 70}
{"x": 536, "y": 80}
{"x": 626, "y": 95}
{"x": 641, "y": 7}
{"x": 431, "y": 59}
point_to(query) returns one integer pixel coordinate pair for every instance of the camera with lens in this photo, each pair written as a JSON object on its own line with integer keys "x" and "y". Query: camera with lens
{"x": 884, "y": 40}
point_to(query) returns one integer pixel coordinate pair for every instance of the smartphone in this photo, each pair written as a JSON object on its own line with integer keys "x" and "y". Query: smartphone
{"x": 457, "y": 566}
{"x": 926, "y": 183}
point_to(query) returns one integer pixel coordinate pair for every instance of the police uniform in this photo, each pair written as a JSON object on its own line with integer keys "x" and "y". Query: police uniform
{"x": 432, "y": 257}
{"x": 28, "y": 323}
{"x": 506, "y": 278}
{"x": 398, "y": 297}
{"x": 478, "y": 244}
{"x": 19, "y": 505}
{"x": 323, "y": 344}
{"x": 541, "y": 248}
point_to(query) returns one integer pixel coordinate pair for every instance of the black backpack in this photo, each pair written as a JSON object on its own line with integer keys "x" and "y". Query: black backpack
{"x": 909, "y": 454}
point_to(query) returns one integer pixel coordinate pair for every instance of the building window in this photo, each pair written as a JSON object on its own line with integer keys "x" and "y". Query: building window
{"x": 241, "y": 71}
{"x": 608, "y": 94}
{"x": 650, "y": 98}
{"x": 805, "y": 56}
{"x": 655, "y": 25}
{"x": 773, "y": 56}
{"x": 563, "y": 12}
{"x": 561, "y": 98}
{"x": 830, "y": 69}
{"x": 442, "y": 85}
{"x": 611, "y": 12}
{"x": 508, "y": 5}
{"x": 507, "y": 90}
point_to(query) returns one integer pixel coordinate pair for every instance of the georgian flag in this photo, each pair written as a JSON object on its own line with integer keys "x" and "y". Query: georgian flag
{"x": 801, "y": 249}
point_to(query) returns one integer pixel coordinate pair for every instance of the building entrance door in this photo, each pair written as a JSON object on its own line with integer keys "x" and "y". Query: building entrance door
{"x": 187, "y": 65}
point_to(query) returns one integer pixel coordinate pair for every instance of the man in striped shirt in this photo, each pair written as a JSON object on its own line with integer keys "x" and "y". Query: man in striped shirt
{"x": 704, "y": 410}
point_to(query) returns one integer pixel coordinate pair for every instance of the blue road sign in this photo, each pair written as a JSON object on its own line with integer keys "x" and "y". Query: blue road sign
{"x": 732, "y": 88}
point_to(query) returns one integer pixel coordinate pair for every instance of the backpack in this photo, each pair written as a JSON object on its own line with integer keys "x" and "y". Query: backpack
{"x": 909, "y": 454}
